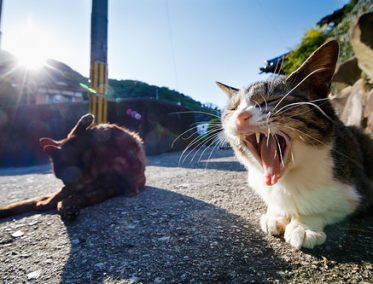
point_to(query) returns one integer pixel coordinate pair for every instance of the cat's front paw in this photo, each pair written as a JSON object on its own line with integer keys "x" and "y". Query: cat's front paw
{"x": 299, "y": 235}
{"x": 273, "y": 225}
{"x": 68, "y": 209}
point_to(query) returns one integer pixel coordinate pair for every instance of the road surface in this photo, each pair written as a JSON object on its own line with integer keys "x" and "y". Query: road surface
{"x": 196, "y": 222}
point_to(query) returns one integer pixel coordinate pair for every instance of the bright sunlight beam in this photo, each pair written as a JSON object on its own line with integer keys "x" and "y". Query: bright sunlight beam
{"x": 32, "y": 47}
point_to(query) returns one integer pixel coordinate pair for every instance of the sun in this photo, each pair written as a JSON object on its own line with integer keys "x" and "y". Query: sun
{"x": 32, "y": 59}
{"x": 31, "y": 47}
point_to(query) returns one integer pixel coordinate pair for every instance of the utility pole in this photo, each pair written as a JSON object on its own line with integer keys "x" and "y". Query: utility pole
{"x": 1, "y": 9}
{"x": 99, "y": 68}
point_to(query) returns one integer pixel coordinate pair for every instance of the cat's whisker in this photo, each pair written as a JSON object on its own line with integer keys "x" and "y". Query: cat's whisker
{"x": 211, "y": 124}
{"x": 268, "y": 116}
{"x": 295, "y": 104}
{"x": 311, "y": 104}
{"x": 277, "y": 70}
{"x": 279, "y": 147}
{"x": 223, "y": 140}
{"x": 198, "y": 137}
{"x": 288, "y": 106}
{"x": 297, "y": 85}
{"x": 207, "y": 139}
{"x": 195, "y": 111}
{"x": 299, "y": 113}
{"x": 265, "y": 102}
{"x": 292, "y": 156}
{"x": 212, "y": 151}
{"x": 322, "y": 143}
{"x": 197, "y": 142}
{"x": 271, "y": 80}
{"x": 257, "y": 104}
{"x": 191, "y": 144}
{"x": 204, "y": 150}
{"x": 199, "y": 147}
{"x": 187, "y": 138}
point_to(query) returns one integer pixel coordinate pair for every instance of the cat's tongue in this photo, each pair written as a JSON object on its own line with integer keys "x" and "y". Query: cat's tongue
{"x": 270, "y": 160}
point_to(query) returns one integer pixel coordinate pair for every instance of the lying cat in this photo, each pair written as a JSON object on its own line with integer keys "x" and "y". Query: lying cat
{"x": 309, "y": 168}
{"x": 94, "y": 163}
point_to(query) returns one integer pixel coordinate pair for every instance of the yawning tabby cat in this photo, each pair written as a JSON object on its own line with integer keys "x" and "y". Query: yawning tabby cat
{"x": 309, "y": 168}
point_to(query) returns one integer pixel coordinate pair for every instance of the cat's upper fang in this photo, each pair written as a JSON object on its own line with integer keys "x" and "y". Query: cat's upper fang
{"x": 253, "y": 142}
{"x": 257, "y": 134}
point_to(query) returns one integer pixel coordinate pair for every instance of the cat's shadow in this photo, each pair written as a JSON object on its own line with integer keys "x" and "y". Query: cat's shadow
{"x": 163, "y": 236}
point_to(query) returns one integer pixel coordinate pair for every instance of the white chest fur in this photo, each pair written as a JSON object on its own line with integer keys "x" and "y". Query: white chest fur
{"x": 307, "y": 187}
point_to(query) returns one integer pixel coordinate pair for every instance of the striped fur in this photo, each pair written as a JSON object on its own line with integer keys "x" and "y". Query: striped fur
{"x": 95, "y": 163}
{"x": 326, "y": 172}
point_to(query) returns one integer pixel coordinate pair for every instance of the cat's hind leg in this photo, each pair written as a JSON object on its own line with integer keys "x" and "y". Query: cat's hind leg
{"x": 39, "y": 204}
{"x": 101, "y": 189}
{"x": 305, "y": 231}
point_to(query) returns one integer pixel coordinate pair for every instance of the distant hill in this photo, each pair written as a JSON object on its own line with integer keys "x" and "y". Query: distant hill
{"x": 127, "y": 89}
{"x": 55, "y": 72}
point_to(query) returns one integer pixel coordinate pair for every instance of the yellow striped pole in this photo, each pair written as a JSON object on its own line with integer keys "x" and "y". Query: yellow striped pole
{"x": 98, "y": 97}
{"x": 106, "y": 93}
{"x": 99, "y": 69}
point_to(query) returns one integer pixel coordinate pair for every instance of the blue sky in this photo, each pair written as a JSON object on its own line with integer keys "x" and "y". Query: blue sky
{"x": 182, "y": 44}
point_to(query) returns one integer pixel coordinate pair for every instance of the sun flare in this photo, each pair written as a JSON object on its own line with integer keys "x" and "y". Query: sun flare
{"x": 32, "y": 59}
{"x": 32, "y": 47}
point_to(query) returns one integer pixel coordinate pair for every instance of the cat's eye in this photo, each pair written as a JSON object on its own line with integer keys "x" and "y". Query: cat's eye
{"x": 266, "y": 102}
{"x": 233, "y": 105}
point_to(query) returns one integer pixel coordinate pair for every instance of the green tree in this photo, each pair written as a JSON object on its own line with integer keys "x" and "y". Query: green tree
{"x": 312, "y": 39}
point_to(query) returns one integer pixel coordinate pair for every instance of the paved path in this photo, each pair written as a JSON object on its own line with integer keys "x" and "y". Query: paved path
{"x": 194, "y": 223}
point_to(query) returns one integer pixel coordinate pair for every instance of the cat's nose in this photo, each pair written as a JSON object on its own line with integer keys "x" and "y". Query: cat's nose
{"x": 243, "y": 118}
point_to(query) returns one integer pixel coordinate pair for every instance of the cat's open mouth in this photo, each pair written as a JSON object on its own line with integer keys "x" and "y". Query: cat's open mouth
{"x": 271, "y": 151}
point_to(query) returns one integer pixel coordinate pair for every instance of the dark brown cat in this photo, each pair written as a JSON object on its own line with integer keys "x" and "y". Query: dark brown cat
{"x": 95, "y": 163}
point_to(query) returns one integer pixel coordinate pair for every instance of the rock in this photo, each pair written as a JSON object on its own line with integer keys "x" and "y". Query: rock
{"x": 33, "y": 223}
{"x": 353, "y": 111}
{"x": 368, "y": 111}
{"x": 33, "y": 275}
{"x": 75, "y": 241}
{"x": 164, "y": 239}
{"x": 347, "y": 72}
{"x": 134, "y": 279}
{"x": 17, "y": 234}
{"x": 6, "y": 239}
{"x": 361, "y": 38}
{"x": 339, "y": 101}
{"x": 100, "y": 265}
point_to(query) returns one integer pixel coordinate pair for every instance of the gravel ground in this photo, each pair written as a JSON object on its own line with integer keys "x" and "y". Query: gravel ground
{"x": 194, "y": 223}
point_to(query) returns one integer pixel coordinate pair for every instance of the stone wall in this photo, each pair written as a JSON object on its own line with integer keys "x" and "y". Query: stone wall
{"x": 20, "y": 128}
{"x": 353, "y": 81}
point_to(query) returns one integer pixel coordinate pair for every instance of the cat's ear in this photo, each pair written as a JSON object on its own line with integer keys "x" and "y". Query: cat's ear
{"x": 317, "y": 71}
{"x": 84, "y": 122}
{"x": 230, "y": 91}
{"x": 48, "y": 142}
{"x": 51, "y": 150}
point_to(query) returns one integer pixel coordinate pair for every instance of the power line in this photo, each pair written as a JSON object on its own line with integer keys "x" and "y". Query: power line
{"x": 1, "y": 8}
{"x": 171, "y": 43}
